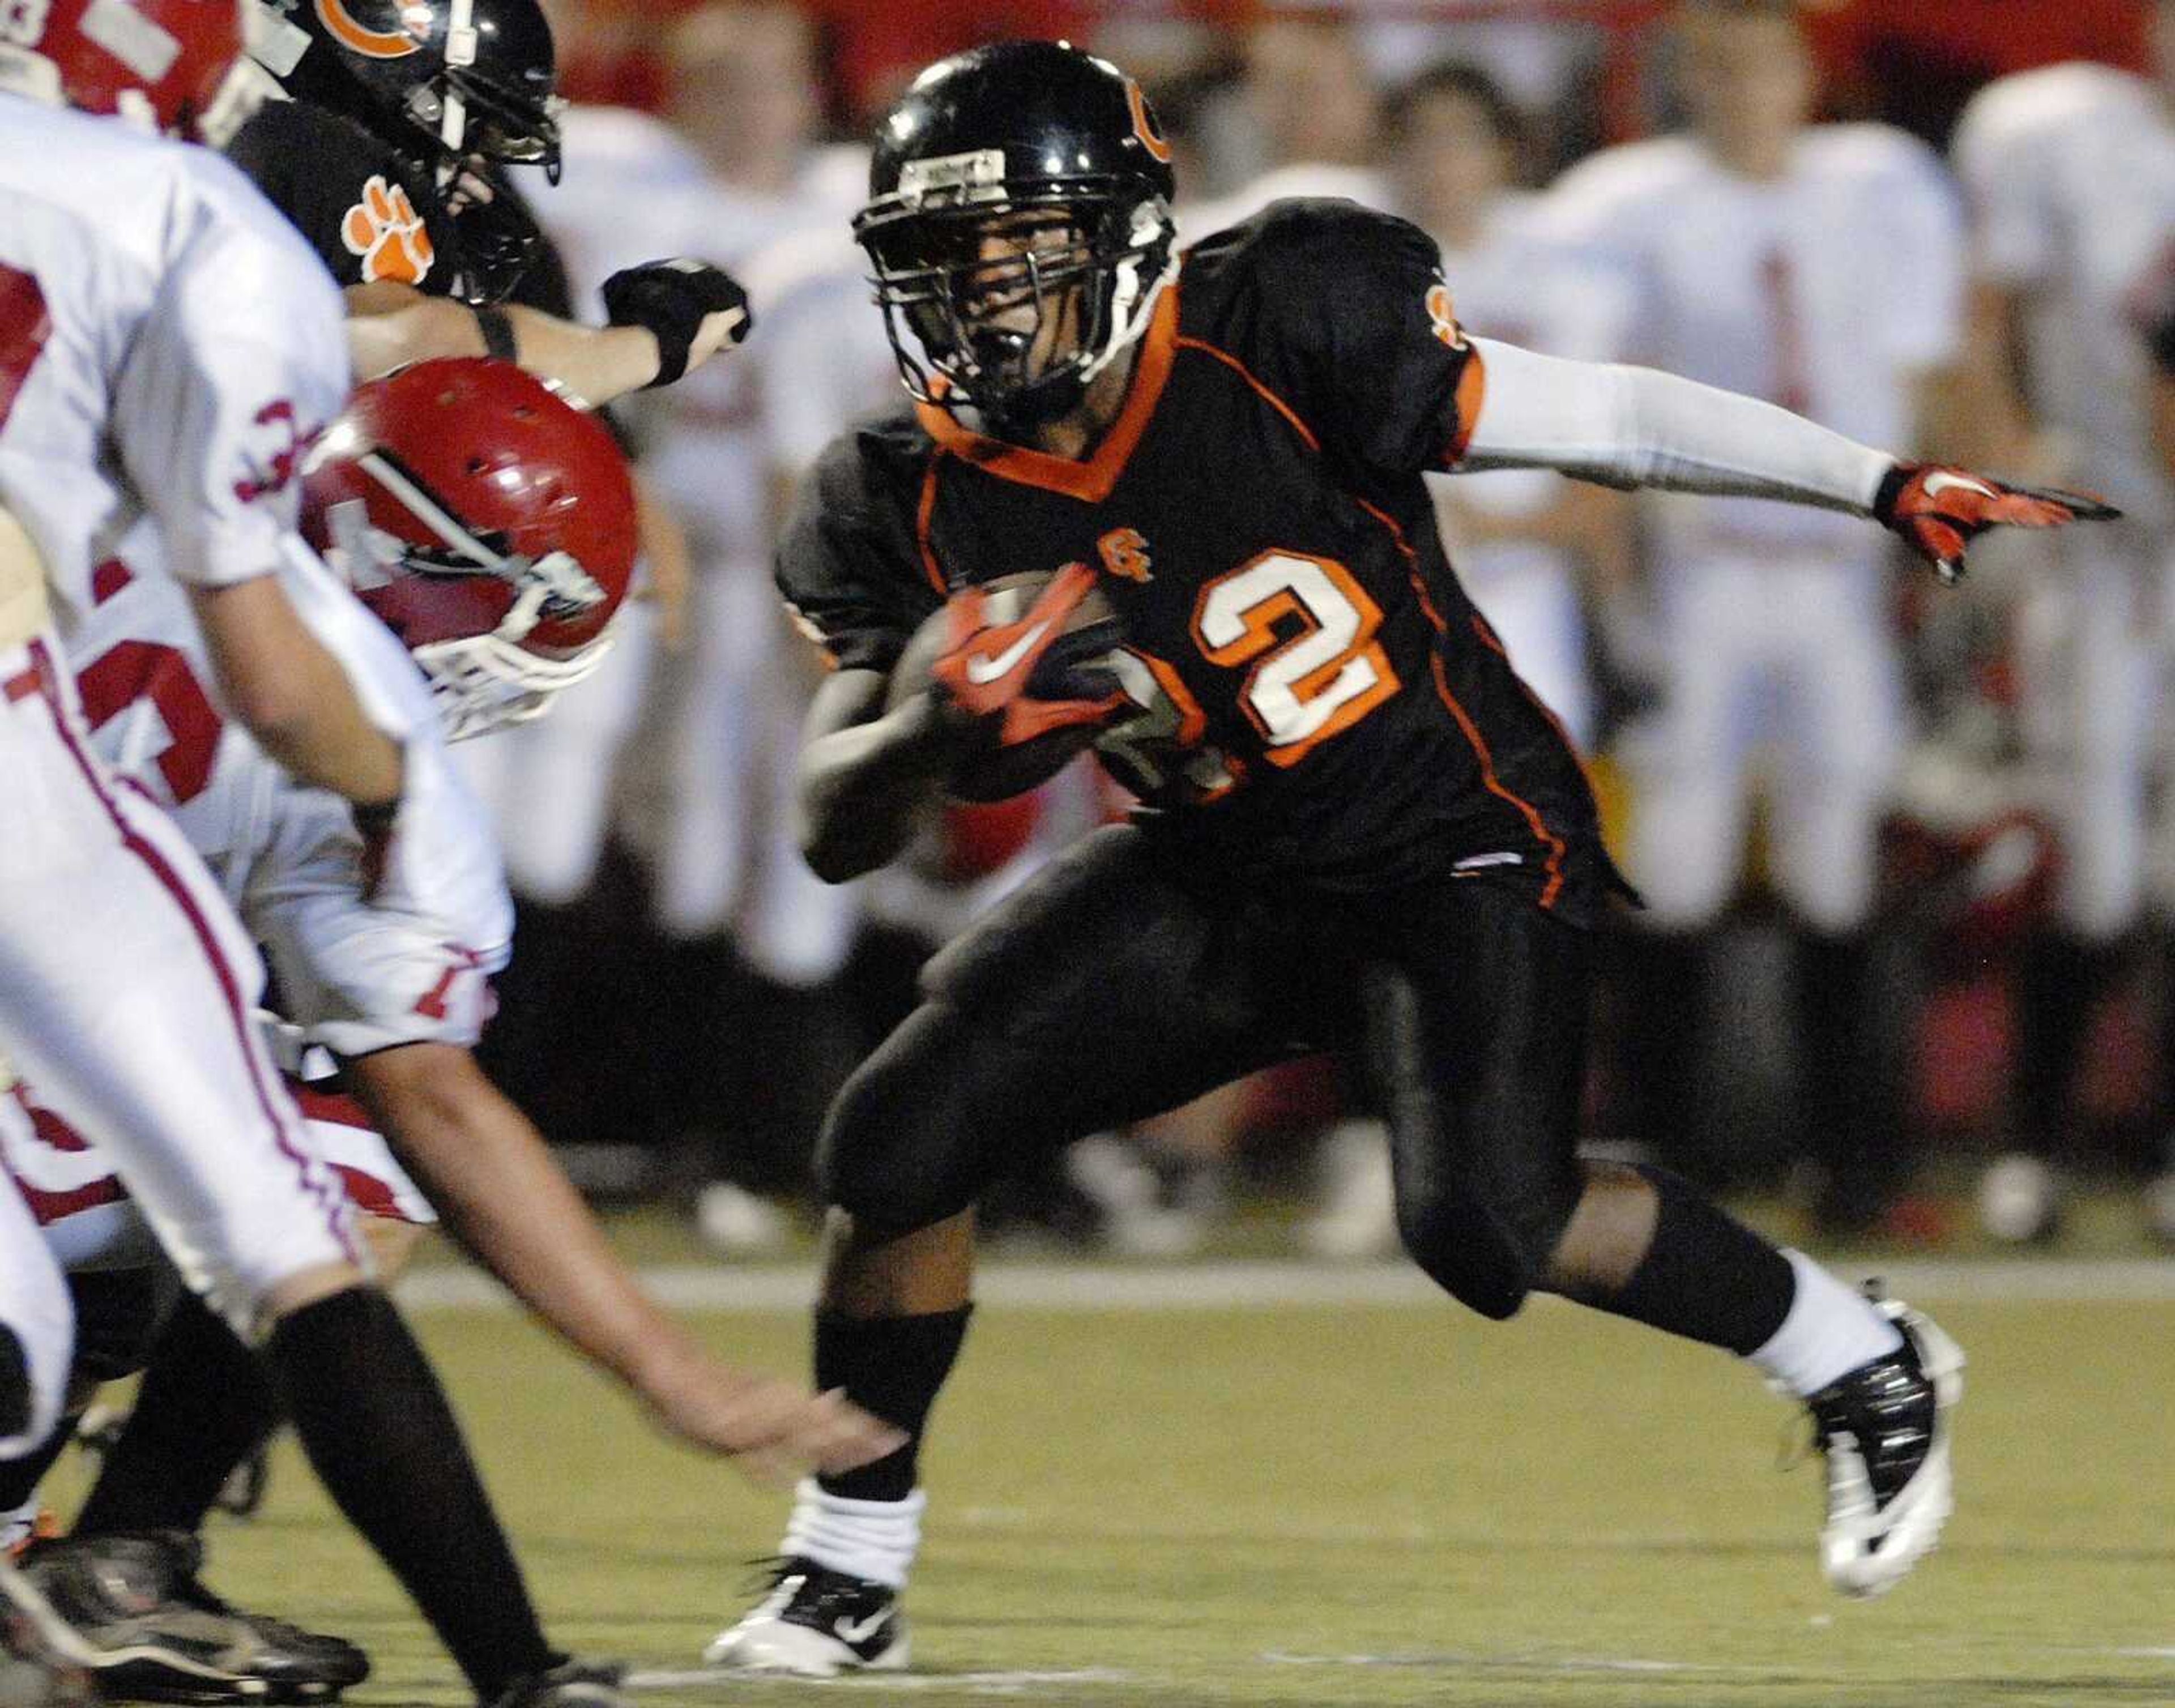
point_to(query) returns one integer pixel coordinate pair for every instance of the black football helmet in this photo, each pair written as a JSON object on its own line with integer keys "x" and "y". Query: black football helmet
{"x": 1061, "y": 150}
{"x": 449, "y": 83}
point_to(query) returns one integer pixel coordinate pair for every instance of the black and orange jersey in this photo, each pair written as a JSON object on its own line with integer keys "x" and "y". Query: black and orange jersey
{"x": 1325, "y": 704}
{"x": 369, "y": 212}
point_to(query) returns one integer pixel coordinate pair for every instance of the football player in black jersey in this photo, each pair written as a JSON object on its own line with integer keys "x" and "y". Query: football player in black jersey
{"x": 389, "y": 155}
{"x": 1359, "y": 832}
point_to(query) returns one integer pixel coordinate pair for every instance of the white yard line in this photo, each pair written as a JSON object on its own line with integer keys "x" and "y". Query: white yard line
{"x": 969, "y": 1683}
{"x": 1278, "y": 1284}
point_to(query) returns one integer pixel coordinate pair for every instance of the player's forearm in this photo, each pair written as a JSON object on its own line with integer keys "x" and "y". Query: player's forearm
{"x": 1629, "y": 426}
{"x": 491, "y": 1177}
{"x": 595, "y": 363}
{"x": 389, "y": 325}
{"x": 864, "y": 789}
{"x": 291, "y": 694}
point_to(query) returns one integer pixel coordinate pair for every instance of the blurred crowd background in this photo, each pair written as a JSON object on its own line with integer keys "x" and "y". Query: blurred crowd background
{"x": 1878, "y": 977}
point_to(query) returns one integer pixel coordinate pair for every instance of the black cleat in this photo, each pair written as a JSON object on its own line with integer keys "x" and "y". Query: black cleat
{"x": 1883, "y": 1429}
{"x": 43, "y": 1664}
{"x": 162, "y": 1636}
{"x": 817, "y": 1623}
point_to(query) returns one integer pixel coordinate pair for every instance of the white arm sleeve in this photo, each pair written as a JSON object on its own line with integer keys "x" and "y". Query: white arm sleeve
{"x": 1630, "y": 426}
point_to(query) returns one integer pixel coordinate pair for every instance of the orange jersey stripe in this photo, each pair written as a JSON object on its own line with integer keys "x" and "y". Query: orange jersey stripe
{"x": 1539, "y": 826}
{"x": 923, "y": 512}
{"x": 1267, "y": 396}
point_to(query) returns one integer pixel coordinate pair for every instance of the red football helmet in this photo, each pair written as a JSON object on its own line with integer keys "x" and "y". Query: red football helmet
{"x": 176, "y": 66}
{"x": 488, "y": 523}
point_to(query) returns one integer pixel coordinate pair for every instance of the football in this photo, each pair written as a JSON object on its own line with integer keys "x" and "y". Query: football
{"x": 1002, "y": 772}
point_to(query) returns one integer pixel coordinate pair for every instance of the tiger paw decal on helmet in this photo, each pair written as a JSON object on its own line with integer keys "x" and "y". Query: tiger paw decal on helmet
{"x": 385, "y": 230}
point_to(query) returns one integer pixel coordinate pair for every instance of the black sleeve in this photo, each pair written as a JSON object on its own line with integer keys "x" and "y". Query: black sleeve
{"x": 1356, "y": 320}
{"x": 354, "y": 200}
{"x": 849, "y": 563}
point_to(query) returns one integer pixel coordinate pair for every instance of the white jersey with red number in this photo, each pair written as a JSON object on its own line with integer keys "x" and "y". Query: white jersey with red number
{"x": 167, "y": 346}
{"x": 130, "y": 380}
{"x": 2070, "y": 173}
{"x": 1827, "y": 289}
{"x": 355, "y": 976}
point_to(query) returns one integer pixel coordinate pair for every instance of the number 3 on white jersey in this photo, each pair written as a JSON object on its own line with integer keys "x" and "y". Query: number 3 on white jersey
{"x": 1305, "y": 689}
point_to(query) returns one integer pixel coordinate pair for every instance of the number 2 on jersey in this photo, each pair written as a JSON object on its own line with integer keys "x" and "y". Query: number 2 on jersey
{"x": 1303, "y": 687}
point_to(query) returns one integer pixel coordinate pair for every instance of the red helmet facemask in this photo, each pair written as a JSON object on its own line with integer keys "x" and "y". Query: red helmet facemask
{"x": 174, "y": 66}
{"x": 488, "y": 523}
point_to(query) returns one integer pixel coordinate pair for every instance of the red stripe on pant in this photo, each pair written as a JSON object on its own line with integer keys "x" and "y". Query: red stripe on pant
{"x": 323, "y": 1190}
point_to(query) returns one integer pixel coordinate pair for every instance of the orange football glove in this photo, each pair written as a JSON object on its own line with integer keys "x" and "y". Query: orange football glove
{"x": 1032, "y": 675}
{"x": 1939, "y": 510}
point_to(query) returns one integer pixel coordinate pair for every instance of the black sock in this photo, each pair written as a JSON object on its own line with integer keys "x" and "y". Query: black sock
{"x": 1706, "y": 1277}
{"x": 206, "y": 1404}
{"x": 19, "y": 1477}
{"x": 384, "y": 1443}
{"x": 14, "y": 1384}
{"x": 891, "y": 1366}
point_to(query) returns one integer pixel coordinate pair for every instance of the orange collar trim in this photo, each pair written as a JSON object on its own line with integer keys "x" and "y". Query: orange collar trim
{"x": 1090, "y": 479}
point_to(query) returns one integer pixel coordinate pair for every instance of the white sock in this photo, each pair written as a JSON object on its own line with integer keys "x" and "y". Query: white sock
{"x": 871, "y": 1539}
{"x": 1829, "y": 1331}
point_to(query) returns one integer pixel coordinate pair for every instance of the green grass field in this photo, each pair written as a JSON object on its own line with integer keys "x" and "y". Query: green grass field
{"x": 1383, "y": 1502}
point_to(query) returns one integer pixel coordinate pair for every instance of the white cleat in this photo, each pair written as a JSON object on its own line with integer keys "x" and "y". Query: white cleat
{"x": 1884, "y": 1429}
{"x": 816, "y": 1623}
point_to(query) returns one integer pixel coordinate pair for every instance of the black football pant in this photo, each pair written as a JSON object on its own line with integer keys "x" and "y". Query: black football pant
{"x": 1120, "y": 984}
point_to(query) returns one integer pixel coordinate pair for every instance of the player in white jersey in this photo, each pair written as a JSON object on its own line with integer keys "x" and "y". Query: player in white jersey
{"x": 2070, "y": 175}
{"x": 491, "y": 526}
{"x": 1818, "y": 267}
{"x": 172, "y": 347}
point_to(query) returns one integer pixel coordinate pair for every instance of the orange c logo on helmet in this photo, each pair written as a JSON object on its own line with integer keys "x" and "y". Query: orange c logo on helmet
{"x": 371, "y": 44}
{"x": 1143, "y": 126}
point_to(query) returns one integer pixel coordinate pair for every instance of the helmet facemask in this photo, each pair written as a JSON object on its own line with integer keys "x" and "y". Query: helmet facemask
{"x": 1013, "y": 304}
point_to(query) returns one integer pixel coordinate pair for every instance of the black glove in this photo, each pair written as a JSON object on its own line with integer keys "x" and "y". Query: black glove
{"x": 672, "y": 298}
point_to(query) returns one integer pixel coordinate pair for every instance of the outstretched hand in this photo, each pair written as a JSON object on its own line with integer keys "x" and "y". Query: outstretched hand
{"x": 1941, "y": 510}
{"x": 772, "y": 1430}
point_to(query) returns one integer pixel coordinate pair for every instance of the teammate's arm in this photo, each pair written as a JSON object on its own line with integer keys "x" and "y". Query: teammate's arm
{"x": 292, "y": 694}
{"x": 488, "y": 1172}
{"x": 664, "y": 328}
